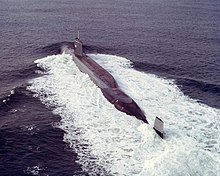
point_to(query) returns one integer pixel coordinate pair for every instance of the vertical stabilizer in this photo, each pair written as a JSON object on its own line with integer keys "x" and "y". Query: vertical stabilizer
{"x": 159, "y": 127}
{"x": 78, "y": 46}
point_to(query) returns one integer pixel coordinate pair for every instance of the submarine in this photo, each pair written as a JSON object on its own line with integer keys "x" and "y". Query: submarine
{"x": 108, "y": 85}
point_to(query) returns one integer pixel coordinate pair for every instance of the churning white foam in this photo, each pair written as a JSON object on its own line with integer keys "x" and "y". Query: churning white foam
{"x": 121, "y": 144}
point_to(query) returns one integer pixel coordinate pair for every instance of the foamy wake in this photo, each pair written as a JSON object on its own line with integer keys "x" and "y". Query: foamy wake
{"x": 110, "y": 142}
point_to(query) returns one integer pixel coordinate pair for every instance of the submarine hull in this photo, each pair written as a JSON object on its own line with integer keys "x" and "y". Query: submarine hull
{"x": 109, "y": 87}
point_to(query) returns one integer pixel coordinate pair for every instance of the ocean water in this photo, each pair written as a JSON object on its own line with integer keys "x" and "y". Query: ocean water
{"x": 164, "y": 54}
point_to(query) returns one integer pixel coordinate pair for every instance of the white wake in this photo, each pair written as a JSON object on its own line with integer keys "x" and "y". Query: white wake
{"x": 121, "y": 144}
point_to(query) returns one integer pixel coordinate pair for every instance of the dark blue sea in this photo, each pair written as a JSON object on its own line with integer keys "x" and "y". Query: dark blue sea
{"x": 164, "y": 53}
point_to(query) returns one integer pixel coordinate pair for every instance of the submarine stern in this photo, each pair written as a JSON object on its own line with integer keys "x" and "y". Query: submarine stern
{"x": 124, "y": 103}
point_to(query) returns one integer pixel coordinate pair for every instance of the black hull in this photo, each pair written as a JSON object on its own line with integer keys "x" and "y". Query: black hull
{"x": 109, "y": 87}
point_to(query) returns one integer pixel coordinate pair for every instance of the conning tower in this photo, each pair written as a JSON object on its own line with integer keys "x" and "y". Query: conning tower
{"x": 78, "y": 46}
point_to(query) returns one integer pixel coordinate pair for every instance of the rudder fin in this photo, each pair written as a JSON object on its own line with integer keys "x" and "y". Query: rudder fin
{"x": 159, "y": 127}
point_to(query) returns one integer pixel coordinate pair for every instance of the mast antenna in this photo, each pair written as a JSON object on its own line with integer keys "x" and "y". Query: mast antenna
{"x": 78, "y": 34}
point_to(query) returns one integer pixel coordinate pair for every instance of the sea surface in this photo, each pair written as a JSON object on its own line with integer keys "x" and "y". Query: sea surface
{"x": 165, "y": 54}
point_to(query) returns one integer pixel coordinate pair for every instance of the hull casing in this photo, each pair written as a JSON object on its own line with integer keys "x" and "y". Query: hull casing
{"x": 108, "y": 85}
